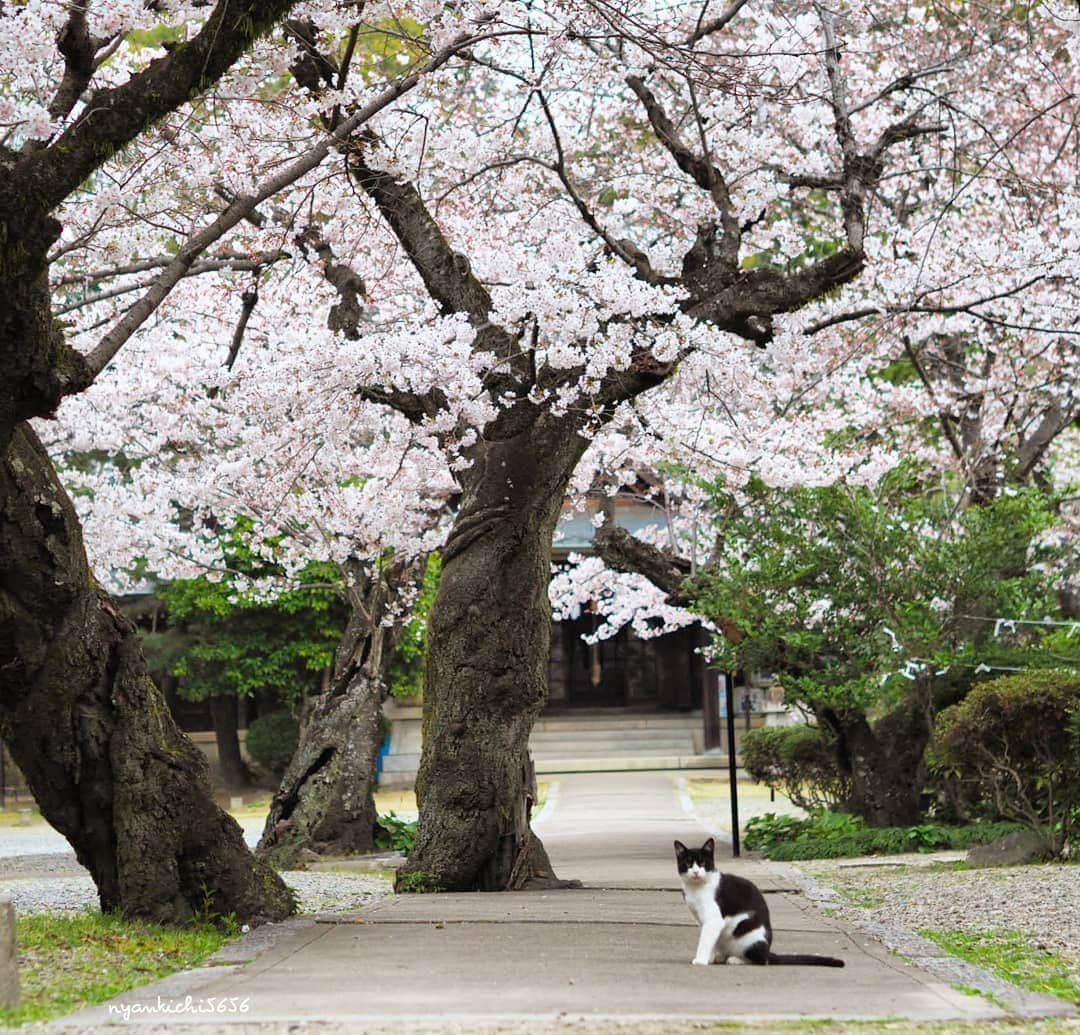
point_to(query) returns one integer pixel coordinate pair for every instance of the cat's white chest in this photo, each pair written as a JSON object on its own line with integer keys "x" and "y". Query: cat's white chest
{"x": 701, "y": 898}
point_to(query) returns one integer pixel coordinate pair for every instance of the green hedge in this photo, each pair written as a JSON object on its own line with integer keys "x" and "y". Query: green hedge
{"x": 1011, "y": 750}
{"x": 797, "y": 761}
{"x": 837, "y": 835}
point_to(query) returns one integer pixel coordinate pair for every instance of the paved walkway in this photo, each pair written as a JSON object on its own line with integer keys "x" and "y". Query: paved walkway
{"x": 617, "y": 950}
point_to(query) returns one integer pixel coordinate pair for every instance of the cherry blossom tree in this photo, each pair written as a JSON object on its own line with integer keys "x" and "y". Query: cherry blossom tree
{"x": 607, "y": 229}
{"x": 95, "y": 104}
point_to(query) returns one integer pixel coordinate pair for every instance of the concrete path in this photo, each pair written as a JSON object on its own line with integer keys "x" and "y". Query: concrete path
{"x": 617, "y": 950}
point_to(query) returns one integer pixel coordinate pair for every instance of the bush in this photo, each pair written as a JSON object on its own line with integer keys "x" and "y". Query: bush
{"x": 837, "y": 835}
{"x": 1011, "y": 749}
{"x": 394, "y": 834}
{"x": 272, "y": 739}
{"x": 798, "y": 762}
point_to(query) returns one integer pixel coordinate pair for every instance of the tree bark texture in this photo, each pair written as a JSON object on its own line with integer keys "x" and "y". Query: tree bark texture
{"x": 325, "y": 803}
{"x": 91, "y": 733}
{"x": 488, "y": 642}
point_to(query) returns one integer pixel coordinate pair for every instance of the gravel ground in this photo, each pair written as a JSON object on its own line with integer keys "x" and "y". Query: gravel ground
{"x": 38, "y": 838}
{"x": 56, "y": 883}
{"x": 1041, "y": 901}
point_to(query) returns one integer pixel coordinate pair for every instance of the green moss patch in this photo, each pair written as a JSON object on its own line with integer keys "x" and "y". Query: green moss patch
{"x": 1012, "y": 955}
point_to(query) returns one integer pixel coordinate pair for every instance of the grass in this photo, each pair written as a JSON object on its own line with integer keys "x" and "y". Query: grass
{"x": 21, "y": 816}
{"x": 712, "y": 789}
{"x": 979, "y": 993}
{"x": 1012, "y": 956}
{"x": 67, "y": 962}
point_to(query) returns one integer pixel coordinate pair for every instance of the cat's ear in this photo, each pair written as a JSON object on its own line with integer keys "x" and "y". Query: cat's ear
{"x": 680, "y": 848}
{"x": 709, "y": 846}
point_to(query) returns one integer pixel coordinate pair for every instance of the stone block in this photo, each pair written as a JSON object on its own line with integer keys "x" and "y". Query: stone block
{"x": 9, "y": 971}
{"x": 1016, "y": 849}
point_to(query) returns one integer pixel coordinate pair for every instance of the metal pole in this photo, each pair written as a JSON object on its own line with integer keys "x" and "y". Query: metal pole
{"x": 733, "y": 784}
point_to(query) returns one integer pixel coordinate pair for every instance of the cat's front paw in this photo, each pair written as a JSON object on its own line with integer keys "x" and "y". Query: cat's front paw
{"x": 699, "y": 962}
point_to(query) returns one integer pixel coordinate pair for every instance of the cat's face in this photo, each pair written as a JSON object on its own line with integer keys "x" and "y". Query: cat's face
{"x": 695, "y": 864}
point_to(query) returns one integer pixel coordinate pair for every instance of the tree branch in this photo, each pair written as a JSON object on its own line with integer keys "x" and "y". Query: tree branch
{"x": 78, "y": 49}
{"x": 349, "y": 285}
{"x": 115, "y": 116}
{"x": 236, "y": 264}
{"x": 248, "y": 300}
{"x": 416, "y": 408}
{"x": 446, "y": 273}
{"x": 715, "y": 24}
{"x": 702, "y": 171}
{"x": 624, "y": 249}
{"x": 621, "y": 551}
{"x": 245, "y": 204}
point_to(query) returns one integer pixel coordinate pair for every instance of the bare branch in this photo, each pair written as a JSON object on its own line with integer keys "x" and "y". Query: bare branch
{"x": 248, "y": 300}
{"x": 624, "y": 249}
{"x": 671, "y": 574}
{"x": 208, "y": 266}
{"x": 112, "y": 117}
{"x": 447, "y": 274}
{"x": 703, "y": 172}
{"x": 841, "y": 115}
{"x": 159, "y": 262}
{"x": 75, "y": 43}
{"x": 621, "y": 551}
{"x": 970, "y": 307}
{"x": 1056, "y": 418}
{"x": 415, "y": 407}
{"x": 349, "y": 285}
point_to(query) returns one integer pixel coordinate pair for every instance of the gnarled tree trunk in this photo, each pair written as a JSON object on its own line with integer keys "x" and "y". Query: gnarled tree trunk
{"x": 884, "y": 761}
{"x": 325, "y": 803}
{"x": 91, "y": 733}
{"x": 488, "y": 641}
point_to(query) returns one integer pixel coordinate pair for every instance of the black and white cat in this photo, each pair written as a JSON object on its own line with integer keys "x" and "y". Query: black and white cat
{"x": 732, "y": 912}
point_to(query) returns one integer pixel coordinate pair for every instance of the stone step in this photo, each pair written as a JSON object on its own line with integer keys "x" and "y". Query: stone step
{"x": 405, "y": 775}
{"x": 610, "y": 737}
{"x": 586, "y": 751}
{"x": 589, "y": 740}
{"x": 618, "y": 764}
{"x": 561, "y": 724}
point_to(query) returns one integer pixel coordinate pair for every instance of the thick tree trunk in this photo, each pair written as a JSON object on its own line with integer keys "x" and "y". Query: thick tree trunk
{"x": 325, "y": 803}
{"x": 488, "y": 643}
{"x": 91, "y": 733}
{"x": 231, "y": 765}
{"x": 884, "y": 761}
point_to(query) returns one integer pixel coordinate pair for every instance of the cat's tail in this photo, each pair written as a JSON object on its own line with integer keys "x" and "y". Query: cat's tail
{"x": 801, "y": 959}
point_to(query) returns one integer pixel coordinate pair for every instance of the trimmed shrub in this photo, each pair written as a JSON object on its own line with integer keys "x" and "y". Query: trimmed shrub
{"x": 797, "y": 761}
{"x": 1011, "y": 750}
{"x": 271, "y": 741}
